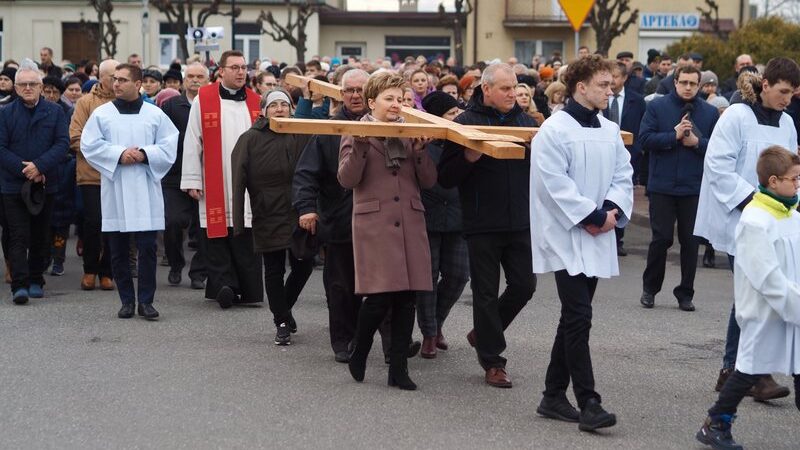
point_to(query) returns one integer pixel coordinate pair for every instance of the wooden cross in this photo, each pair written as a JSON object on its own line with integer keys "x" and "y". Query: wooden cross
{"x": 495, "y": 141}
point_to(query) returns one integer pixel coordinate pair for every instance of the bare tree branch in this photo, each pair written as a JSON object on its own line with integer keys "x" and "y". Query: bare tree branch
{"x": 279, "y": 32}
{"x": 108, "y": 33}
{"x": 608, "y": 23}
{"x": 181, "y": 16}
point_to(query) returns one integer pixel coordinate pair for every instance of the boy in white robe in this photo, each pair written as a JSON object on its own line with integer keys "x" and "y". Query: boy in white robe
{"x": 767, "y": 291}
{"x": 729, "y": 177}
{"x": 132, "y": 144}
{"x": 581, "y": 189}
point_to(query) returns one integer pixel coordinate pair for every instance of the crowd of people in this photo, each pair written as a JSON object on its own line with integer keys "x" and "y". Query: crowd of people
{"x": 138, "y": 160}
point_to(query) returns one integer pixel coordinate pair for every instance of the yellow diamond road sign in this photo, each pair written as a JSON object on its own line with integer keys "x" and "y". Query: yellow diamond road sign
{"x": 576, "y": 11}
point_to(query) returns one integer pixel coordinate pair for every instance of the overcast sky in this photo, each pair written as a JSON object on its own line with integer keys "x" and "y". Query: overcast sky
{"x": 392, "y": 5}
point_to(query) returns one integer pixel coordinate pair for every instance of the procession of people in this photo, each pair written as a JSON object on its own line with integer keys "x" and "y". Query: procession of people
{"x": 141, "y": 161}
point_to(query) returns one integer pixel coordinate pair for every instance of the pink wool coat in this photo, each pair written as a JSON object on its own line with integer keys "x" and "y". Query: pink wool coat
{"x": 390, "y": 244}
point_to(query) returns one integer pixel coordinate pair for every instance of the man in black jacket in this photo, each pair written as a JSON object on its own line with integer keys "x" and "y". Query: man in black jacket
{"x": 495, "y": 204}
{"x": 180, "y": 209}
{"x": 326, "y": 208}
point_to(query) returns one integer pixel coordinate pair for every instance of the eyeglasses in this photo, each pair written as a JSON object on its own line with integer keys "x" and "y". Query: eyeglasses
{"x": 51, "y": 91}
{"x": 120, "y": 80}
{"x": 351, "y": 91}
{"x": 796, "y": 179}
{"x": 30, "y": 85}
{"x": 688, "y": 83}
{"x": 236, "y": 68}
{"x": 270, "y": 84}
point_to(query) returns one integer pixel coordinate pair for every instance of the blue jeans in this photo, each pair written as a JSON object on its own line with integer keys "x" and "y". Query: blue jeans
{"x": 120, "y": 265}
{"x": 732, "y": 338}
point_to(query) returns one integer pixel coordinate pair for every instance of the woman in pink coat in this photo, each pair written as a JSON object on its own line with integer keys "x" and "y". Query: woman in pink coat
{"x": 390, "y": 244}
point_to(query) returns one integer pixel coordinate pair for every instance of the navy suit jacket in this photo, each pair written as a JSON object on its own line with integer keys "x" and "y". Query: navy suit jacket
{"x": 632, "y": 112}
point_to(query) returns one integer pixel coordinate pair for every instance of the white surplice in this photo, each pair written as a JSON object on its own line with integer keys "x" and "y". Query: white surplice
{"x": 766, "y": 278}
{"x": 729, "y": 171}
{"x": 575, "y": 169}
{"x": 130, "y": 194}
{"x": 235, "y": 121}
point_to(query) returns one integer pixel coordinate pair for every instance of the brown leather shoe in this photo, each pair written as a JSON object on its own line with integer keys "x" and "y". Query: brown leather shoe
{"x": 497, "y": 377}
{"x": 88, "y": 281}
{"x": 768, "y": 389}
{"x": 106, "y": 284}
{"x": 428, "y": 350}
{"x": 471, "y": 338}
{"x": 441, "y": 344}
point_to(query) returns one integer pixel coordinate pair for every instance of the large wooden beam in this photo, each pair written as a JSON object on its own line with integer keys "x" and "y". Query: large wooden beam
{"x": 327, "y": 89}
{"x": 495, "y": 149}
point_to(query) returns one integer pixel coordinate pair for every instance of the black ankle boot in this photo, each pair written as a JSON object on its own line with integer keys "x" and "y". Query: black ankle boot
{"x": 358, "y": 361}
{"x": 398, "y": 374}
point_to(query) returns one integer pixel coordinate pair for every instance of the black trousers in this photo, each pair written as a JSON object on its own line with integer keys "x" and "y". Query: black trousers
{"x": 492, "y": 314}
{"x": 282, "y": 297}
{"x": 180, "y": 213}
{"x": 570, "y": 358}
{"x": 4, "y": 234}
{"x": 231, "y": 262}
{"x": 58, "y": 241}
{"x": 28, "y": 241}
{"x": 664, "y": 211}
{"x": 96, "y": 256}
{"x": 120, "y": 246}
{"x": 339, "y": 279}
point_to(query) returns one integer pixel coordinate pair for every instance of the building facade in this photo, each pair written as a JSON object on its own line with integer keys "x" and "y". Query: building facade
{"x": 523, "y": 28}
{"x": 495, "y": 29}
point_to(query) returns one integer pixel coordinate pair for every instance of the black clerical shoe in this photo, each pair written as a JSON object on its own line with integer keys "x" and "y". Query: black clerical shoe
{"x": 686, "y": 305}
{"x": 147, "y": 311}
{"x": 198, "y": 284}
{"x": 647, "y": 300}
{"x": 709, "y": 257}
{"x": 558, "y": 409}
{"x": 621, "y": 251}
{"x": 342, "y": 357}
{"x": 174, "y": 278}
{"x": 126, "y": 312}
{"x": 593, "y": 417}
{"x": 225, "y": 297}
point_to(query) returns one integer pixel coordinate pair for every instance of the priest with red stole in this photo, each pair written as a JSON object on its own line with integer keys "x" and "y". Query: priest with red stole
{"x": 220, "y": 113}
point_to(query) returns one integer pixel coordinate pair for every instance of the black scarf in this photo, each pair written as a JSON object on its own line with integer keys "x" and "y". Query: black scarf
{"x": 126, "y": 107}
{"x": 766, "y": 116}
{"x": 238, "y": 96}
{"x": 584, "y": 116}
{"x": 349, "y": 115}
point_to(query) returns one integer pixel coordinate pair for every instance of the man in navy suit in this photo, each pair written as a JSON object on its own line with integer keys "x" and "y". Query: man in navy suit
{"x": 675, "y": 131}
{"x": 625, "y": 108}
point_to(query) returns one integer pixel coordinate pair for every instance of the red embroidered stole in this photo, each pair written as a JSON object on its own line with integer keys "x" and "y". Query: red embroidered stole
{"x": 210, "y": 109}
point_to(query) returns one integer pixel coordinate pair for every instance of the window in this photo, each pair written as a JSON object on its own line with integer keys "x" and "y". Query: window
{"x": 398, "y": 47}
{"x": 524, "y": 51}
{"x": 248, "y": 40}
{"x": 168, "y": 44}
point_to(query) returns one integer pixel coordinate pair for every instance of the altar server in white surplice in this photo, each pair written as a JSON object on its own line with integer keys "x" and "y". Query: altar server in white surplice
{"x": 581, "y": 189}
{"x": 730, "y": 180}
{"x": 132, "y": 144}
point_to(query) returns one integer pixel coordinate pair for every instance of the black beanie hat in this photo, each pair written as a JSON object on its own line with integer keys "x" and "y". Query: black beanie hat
{"x": 154, "y": 74}
{"x": 438, "y": 103}
{"x": 55, "y": 82}
{"x": 174, "y": 75}
{"x": 9, "y": 72}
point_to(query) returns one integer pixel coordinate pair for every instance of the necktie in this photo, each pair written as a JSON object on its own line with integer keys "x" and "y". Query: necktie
{"x": 613, "y": 113}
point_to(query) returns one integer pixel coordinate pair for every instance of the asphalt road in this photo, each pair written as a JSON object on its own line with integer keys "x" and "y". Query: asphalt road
{"x": 73, "y": 376}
